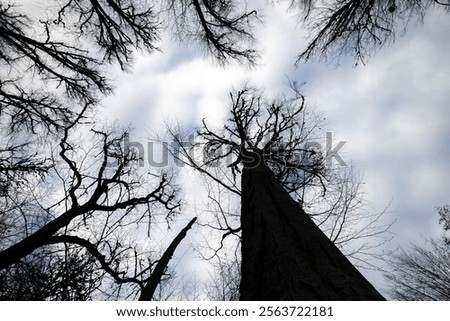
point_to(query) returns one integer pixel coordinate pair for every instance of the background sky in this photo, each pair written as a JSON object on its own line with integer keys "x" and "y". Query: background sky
{"x": 392, "y": 112}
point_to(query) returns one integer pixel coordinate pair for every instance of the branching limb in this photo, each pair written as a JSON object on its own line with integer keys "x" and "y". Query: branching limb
{"x": 157, "y": 274}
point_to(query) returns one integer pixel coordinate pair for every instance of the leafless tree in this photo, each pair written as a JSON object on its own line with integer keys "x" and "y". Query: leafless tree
{"x": 356, "y": 27}
{"x": 224, "y": 27}
{"x": 116, "y": 27}
{"x": 285, "y": 134}
{"x": 46, "y": 276}
{"x": 98, "y": 201}
{"x": 422, "y": 273}
{"x": 47, "y": 80}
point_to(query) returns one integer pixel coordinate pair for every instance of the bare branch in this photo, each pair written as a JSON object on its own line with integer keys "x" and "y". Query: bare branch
{"x": 220, "y": 26}
{"x": 157, "y": 274}
{"x": 356, "y": 27}
{"x": 92, "y": 249}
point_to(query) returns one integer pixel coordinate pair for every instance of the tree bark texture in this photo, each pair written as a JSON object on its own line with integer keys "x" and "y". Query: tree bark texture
{"x": 285, "y": 256}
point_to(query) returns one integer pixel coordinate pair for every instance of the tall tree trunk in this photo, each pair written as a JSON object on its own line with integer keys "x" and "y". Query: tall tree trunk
{"x": 285, "y": 256}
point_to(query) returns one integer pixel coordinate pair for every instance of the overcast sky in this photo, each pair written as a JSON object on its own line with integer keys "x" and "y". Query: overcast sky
{"x": 393, "y": 112}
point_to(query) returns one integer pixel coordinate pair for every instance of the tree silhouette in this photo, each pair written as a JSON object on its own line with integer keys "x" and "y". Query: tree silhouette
{"x": 225, "y": 27}
{"x": 90, "y": 201}
{"x": 422, "y": 273}
{"x": 275, "y": 137}
{"x": 46, "y": 276}
{"x": 356, "y": 27}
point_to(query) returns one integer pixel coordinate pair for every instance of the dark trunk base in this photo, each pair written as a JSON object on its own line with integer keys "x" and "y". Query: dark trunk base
{"x": 285, "y": 256}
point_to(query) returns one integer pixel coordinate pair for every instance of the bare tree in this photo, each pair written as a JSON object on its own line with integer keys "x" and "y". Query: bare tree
{"x": 287, "y": 135}
{"x": 47, "y": 81}
{"x": 100, "y": 202}
{"x": 422, "y": 273}
{"x": 356, "y": 27}
{"x": 284, "y": 135}
{"x": 117, "y": 28}
{"x": 224, "y": 27}
{"x": 46, "y": 276}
